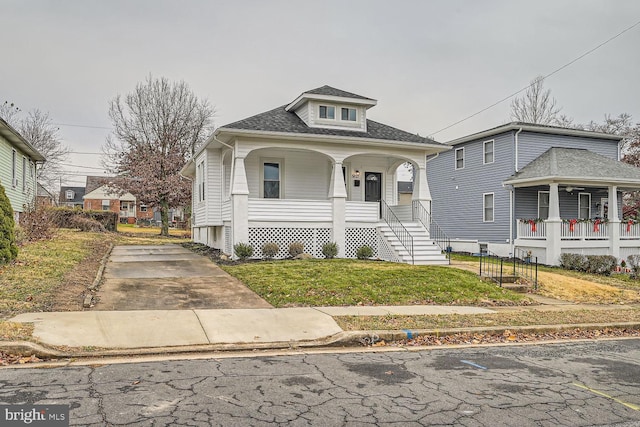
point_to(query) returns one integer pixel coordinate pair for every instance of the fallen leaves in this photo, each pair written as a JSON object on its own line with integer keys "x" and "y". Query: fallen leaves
{"x": 518, "y": 337}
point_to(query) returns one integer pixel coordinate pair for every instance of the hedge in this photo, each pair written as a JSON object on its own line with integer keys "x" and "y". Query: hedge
{"x": 67, "y": 218}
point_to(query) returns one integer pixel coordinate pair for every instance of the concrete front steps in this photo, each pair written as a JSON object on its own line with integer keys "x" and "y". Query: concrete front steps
{"x": 425, "y": 250}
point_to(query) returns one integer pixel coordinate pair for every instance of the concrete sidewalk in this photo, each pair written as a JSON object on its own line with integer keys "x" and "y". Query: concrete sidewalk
{"x": 171, "y": 328}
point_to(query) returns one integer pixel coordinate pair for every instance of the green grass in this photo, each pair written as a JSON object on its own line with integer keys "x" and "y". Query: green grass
{"x": 463, "y": 257}
{"x": 342, "y": 282}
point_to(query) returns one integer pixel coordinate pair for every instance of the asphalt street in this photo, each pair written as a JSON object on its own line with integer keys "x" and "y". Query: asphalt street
{"x": 568, "y": 384}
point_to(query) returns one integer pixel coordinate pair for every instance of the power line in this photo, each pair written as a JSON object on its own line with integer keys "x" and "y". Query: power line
{"x": 80, "y": 166}
{"x": 544, "y": 77}
{"x": 83, "y": 126}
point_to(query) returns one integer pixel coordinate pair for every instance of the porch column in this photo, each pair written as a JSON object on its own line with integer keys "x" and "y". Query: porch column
{"x": 614, "y": 222}
{"x": 421, "y": 190}
{"x": 338, "y": 196}
{"x": 239, "y": 204}
{"x": 554, "y": 227}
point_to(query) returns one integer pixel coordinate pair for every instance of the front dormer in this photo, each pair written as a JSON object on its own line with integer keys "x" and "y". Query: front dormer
{"x": 331, "y": 108}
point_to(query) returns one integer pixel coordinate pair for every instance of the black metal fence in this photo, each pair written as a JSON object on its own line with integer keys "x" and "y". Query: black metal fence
{"x": 508, "y": 270}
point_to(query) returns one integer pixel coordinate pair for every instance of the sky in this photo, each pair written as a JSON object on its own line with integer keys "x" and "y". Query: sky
{"x": 429, "y": 64}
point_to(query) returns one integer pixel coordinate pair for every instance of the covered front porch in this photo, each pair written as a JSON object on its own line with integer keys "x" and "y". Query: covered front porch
{"x": 316, "y": 196}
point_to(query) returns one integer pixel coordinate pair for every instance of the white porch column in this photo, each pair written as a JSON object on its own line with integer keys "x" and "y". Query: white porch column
{"x": 421, "y": 190}
{"x": 554, "y": 225}
{"x": 614, "y": 222}
{"x": 239, "y": 203}
{"x": 338, "y": 196}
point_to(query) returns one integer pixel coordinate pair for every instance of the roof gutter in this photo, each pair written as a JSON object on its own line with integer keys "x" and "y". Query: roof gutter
{"x": 333, "y": 138}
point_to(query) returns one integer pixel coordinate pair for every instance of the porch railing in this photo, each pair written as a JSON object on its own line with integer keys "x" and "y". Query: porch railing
{"x": 403, "y": 235}
{"x": 531, "y": 229}
{"x": 586, "y": 230}
{"x": 629, "y": 230}
{"x": 437, "y": 234}
{"x": 509, "y": 270}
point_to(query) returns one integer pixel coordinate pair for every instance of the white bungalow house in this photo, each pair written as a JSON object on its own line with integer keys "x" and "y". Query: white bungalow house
{"x": 315, "y": 170}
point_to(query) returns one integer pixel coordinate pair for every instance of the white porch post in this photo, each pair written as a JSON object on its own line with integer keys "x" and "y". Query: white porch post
{"x": 554, "y": 224}
{"x": 338, "y": 196}
{"x": 421, "y": 190}
{"x": 239, "y": 203}
{"x": 614, "y": 222}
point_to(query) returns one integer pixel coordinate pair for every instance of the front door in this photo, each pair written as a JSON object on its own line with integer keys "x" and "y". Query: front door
{"x": 372, "y": 186}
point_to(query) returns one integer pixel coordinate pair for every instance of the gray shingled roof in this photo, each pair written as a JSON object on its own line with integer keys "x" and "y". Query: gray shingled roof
{"x": 279, "y": 120}
{"x": 78, "y": 194}
{"x": 331, "y": 91}
{"x": 576, "y": 163}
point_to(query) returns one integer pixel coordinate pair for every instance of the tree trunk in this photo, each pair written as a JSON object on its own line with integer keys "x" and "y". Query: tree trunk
{"x": 164, "y": 216}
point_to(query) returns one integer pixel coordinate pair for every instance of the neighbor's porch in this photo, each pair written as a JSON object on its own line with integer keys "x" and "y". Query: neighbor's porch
{"x": 584, "y": 222}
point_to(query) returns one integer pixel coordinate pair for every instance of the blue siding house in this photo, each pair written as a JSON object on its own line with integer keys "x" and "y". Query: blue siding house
{"x": 536, "y": 188}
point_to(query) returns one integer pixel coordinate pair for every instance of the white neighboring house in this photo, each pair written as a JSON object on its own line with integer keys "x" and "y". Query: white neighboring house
{"x": 315, "y": 170}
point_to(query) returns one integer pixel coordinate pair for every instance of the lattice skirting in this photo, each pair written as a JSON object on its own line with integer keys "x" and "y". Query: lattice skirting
{"x": 385, "y": 251}
{"x": 356, "y": 237}
{"x": 312, "y": 238}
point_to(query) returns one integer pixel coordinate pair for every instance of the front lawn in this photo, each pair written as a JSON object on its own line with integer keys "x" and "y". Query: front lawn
{"x": 343, "y": 282}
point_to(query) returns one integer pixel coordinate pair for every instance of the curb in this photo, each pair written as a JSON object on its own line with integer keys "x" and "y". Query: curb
{"x": 342, "y": 339}
{"x": 88, "y": 298}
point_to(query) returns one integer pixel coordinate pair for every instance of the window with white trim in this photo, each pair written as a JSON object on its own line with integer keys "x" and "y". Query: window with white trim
{"x": 14, "y": 168}
{"x": 271, "y": 180}
{"x": 106, "y": 204}
{"x": 348, "y": 114}
{"x": 143, "y": 208}
{"x": 200, "y": 181}
{"x": 584, "y": 205}
{"x": 487, "y": 207}
{"x": 69, "y": 194}
{"x": 543, "y": 204}
{"x": 24, "y": 174}
{"x": 327, "y": 112}
{"x": 459, "y": 158}
{"x": 487, "y": 152}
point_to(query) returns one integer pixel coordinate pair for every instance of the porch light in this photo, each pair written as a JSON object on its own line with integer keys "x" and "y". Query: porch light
{"x": 355, "y": 174}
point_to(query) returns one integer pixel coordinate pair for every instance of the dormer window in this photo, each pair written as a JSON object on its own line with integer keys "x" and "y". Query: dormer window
{"x": 327, "y": 112}
{"x": 349, "y": 114}
{"x": 69, "y": 194}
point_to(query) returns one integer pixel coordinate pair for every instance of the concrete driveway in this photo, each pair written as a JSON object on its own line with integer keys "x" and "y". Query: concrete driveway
{"x": 169, "y": 277}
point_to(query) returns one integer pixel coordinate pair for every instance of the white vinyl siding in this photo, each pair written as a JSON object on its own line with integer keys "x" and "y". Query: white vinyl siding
{"x": 487, "y": 207}
{"x": 304, "y": 174}
{"x": 487, "y": 152}
{"x": 543, "y": 204}
{"x": 584, "y": 205}
{"x": 459, "y": 158}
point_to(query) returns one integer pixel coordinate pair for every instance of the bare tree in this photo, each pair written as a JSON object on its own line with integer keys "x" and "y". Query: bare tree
{"x": 38, "y": 129}
{"x": 538, "y": 106}
{"x": 156, "y": 128}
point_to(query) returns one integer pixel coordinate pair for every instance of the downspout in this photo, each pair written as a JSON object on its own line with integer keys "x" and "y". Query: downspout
{"x": 515, "y": 157}
{"x": 512, "y": 195}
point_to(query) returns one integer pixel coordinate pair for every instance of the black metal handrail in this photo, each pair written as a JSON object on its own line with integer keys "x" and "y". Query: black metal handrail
{"x": 436, "y": 233}
{"x": 497, "y": 268}
{"x": 403, "y": 235}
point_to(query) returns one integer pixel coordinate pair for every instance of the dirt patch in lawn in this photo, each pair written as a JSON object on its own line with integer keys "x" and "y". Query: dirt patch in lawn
{"x": 70, "y": 294}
